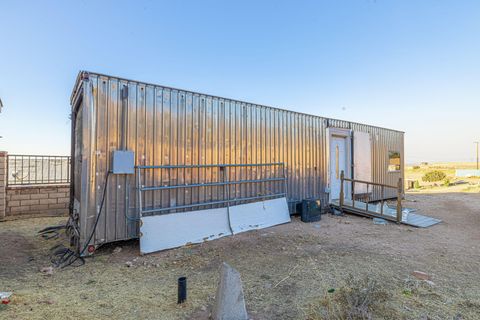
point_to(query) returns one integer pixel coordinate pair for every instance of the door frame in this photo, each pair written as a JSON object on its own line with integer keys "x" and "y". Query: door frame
{"x": 347, "y": 134}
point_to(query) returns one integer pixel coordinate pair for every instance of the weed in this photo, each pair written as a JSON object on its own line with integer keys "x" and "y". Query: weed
{"x": 407, "y": 292}
{"x": 357, "y": 299}
{"x": 433, "y": 176}
{"x": 411, "y": 287}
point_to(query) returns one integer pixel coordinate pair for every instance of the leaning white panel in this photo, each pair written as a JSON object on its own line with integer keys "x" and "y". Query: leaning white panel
{"x": 362, "y": 158}
{"x": 259, "y": 215}
{"x": 177, "y": 229}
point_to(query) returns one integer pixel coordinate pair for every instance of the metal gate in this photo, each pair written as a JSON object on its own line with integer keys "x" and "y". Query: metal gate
{"x": 220, "y": 206}
{"x": 271, "y": 182}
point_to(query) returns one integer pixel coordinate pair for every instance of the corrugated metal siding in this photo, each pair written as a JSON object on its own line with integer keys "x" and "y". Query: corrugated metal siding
{"x": 169, "y": 126}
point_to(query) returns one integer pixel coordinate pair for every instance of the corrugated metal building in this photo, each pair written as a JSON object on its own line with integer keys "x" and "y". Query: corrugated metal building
{"x": 167, "y": 126}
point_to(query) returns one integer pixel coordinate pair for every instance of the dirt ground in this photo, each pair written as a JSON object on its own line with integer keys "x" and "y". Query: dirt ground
{"x": 286, "y": 270}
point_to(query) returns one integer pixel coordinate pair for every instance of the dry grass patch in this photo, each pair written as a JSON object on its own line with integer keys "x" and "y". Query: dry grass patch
{"x": 357, "y": 299}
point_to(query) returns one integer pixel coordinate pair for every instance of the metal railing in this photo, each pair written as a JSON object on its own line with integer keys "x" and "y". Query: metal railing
{"x": 366, "y": 198}
{"x": 37, "y": 169}
{"x": 273, "y": 185}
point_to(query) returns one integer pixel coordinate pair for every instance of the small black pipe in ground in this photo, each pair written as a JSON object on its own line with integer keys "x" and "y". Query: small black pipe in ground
{"x": 182, "y": 289}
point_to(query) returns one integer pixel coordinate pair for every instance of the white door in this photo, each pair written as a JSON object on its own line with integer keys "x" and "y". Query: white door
{"x": 338, "y": 162}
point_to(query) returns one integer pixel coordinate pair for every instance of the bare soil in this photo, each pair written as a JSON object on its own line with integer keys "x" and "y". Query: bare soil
{"x": 286, "y": 270}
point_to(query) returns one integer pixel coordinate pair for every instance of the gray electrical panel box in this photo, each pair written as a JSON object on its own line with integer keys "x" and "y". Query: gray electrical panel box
{"x": 123, "y": 162}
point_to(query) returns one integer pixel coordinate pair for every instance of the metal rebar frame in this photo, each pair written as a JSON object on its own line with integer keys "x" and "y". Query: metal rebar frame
{"x": 38, "y": 169}
{"x": 227, "y": 183}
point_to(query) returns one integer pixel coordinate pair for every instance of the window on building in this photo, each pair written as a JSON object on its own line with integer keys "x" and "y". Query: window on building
{"x": 393, "y": 161}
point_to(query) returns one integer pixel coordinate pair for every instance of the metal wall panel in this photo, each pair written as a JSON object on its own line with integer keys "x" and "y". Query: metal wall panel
{"x": 167, "y": 126}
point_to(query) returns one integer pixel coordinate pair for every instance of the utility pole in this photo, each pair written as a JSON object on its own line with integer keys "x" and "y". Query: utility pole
{"x": 477, "y": 142}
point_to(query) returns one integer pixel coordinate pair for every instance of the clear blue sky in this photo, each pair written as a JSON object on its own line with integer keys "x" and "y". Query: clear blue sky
{"x": 407, "y": 65}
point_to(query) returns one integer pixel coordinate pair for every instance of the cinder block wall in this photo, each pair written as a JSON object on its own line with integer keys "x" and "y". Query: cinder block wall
{"x": 30, "y": 200}
{"x": 45, "y": 200}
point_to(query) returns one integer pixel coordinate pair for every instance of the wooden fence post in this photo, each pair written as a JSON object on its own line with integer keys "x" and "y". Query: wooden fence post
{"x": 342, "y": 176}
{"x": 399, "y": 200}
